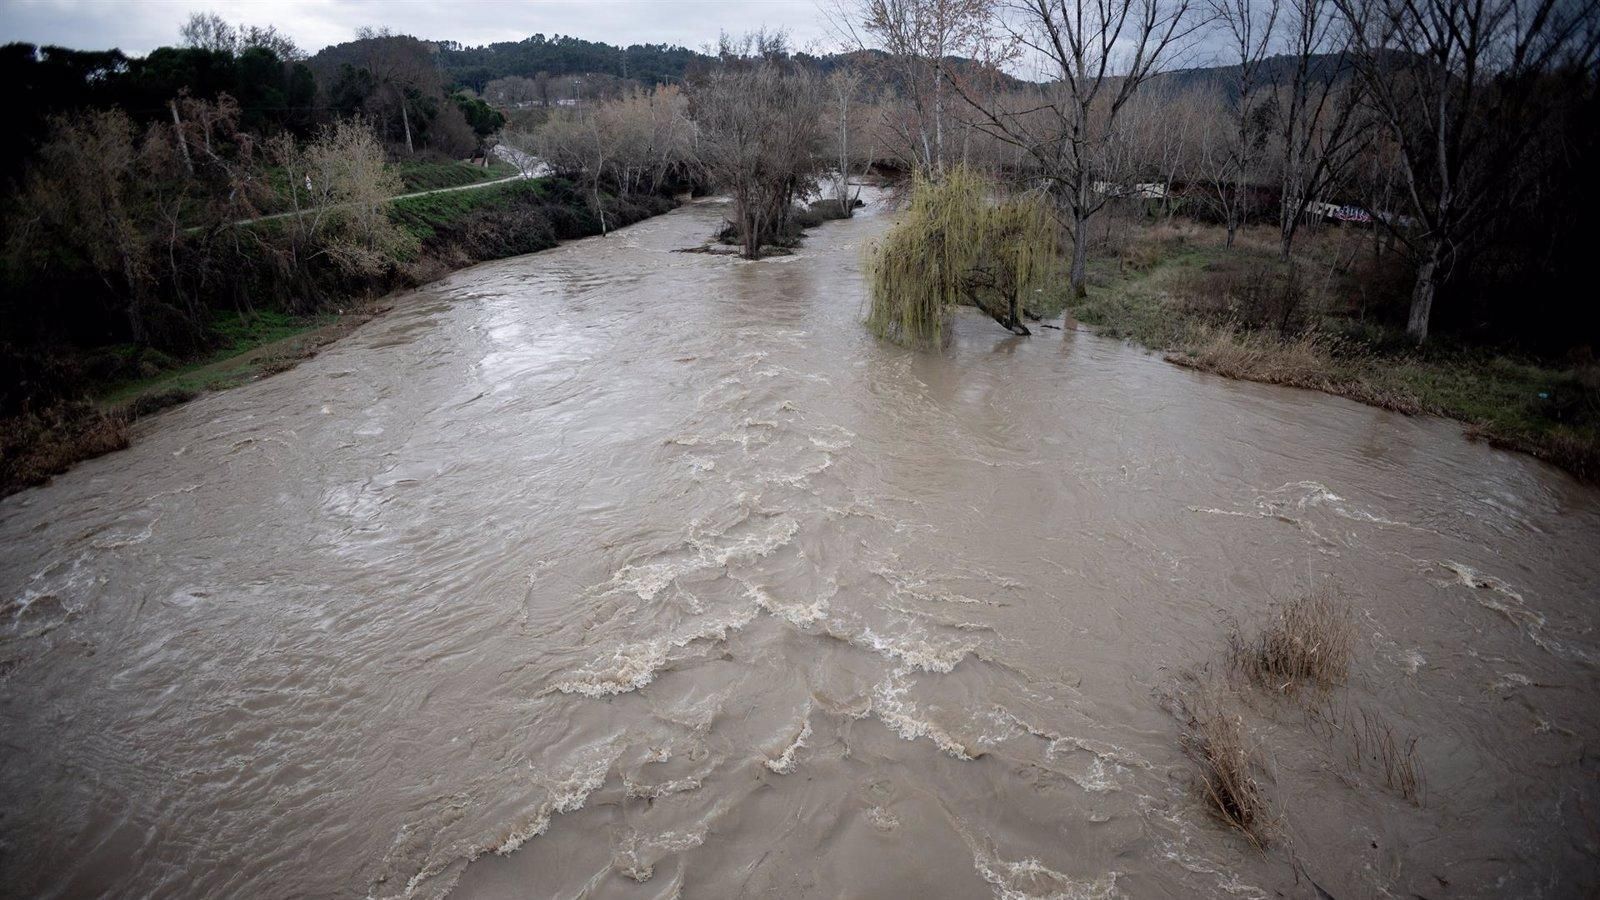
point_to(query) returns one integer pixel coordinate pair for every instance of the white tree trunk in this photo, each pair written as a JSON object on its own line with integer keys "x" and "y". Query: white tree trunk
{"x": 1422, "y": 295}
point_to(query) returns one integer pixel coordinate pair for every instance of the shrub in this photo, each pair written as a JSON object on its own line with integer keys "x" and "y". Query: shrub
{"x": 35, "y": 446}
{"x": 1307, "y": 644}
{"x": 956, "y": 246}
{"x": 1252, "y": 295}
{"x": 1217, "y": 742}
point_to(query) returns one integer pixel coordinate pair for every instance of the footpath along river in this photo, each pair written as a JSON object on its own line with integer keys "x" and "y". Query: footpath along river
{"x": 617, "y": 572}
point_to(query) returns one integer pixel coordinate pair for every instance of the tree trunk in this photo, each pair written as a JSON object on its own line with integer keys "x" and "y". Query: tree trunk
{"x": 1078, "y": 278}
{"x": 405, "y": 120}
{"x": 1422, "y": 294}
{"x": 938, "y": 116}
{"x": 599, "y": 207}
{"x": 183, "y": 144}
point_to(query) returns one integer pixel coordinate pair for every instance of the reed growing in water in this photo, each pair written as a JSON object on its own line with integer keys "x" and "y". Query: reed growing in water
{"x": 957, "y": 244}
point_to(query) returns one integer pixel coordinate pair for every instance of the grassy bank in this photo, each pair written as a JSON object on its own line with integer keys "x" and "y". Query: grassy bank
{"x": 1319, "y": 323}
{"x": 418, "y": 175}
{"x": 121, "y": 383}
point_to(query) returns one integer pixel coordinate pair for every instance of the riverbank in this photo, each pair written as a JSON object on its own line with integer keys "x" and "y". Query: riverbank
{"x": 638, "y": 558}
{"x": 1316, "y": 324}
{"x": 453, "y": 230}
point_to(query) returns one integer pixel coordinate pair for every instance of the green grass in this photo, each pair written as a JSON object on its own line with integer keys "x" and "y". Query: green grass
{"x": 422, "y": 216}
{"x": 418, "y": 175}
{"x": 229, "y": 363}
{"x": 1129, "y": 300}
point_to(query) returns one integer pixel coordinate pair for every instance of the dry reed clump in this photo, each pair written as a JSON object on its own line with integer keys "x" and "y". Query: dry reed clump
{"x": 1304, "y": 361}
{"x": 1307, "y": 644}
{"x": 954, "y": 246}
{"x": 1373, "y": 742}
{"x": 1217, "y": 742}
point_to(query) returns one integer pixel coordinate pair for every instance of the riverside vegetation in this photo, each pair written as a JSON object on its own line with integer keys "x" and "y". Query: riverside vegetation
{"x": 1323, "y": 321}
{"x": 158, "y": 205}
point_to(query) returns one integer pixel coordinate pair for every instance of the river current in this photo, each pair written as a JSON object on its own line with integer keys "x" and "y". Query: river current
{"x": 613, "y": 571}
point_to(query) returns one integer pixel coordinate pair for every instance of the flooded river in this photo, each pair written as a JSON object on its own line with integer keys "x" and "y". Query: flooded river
{"x": 618, "y": 572}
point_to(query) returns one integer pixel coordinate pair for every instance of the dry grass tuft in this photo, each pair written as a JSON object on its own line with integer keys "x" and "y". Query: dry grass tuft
{"x": 1310, "y": 360}
{"x": 1308, "y": 644}
{"x": 1372, "y": 742}
{"x": 1216, "y": 740}
{"x": 1300, "y": 362}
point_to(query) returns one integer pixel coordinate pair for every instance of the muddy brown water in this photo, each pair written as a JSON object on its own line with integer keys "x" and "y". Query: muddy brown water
{"x": 618, "y": 572}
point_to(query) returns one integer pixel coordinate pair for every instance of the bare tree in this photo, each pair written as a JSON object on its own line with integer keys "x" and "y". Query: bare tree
{"x": 1247, "y": 28}
{"x": 1318, "y": 111}
{"x": 634, "y": 142}
{"x": 1457, "y": 84}
{"x": 760, "y": 138}
{"x": 338, "y": 192}
{"x": 918, "y": 37}
{"x": 1165, "y": 127}
{"x": 512, "y": 90}
{"x": 209, "y": 31}
{"x": 1097, "y": 53}
{"x": 845, "y": 84}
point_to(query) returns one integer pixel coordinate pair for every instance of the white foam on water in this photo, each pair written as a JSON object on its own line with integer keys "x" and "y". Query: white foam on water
{"x": 1510, "y": 681}
{"x": 1494, "y": 594}
{"x": 786, "y": 762}
{"x": 649, "y": 579}
{"x": 902, "y": 717}
{"x": 637, "y": 791}
{"x": 919, "y": 588}
{"x": 917, "y": 650}
{"x": 882, "y": 819}
{"x": 1293, "y": 502}
{"x": 632, "y": 864}
{"x": 568, "y": 791}
{"x": 1106, "y": 761}
{"x": 1177, "y": 850}
{"x": 633, "y": 666}
{"x": 1030, "y": 879}
{"x": 795, "y": 613}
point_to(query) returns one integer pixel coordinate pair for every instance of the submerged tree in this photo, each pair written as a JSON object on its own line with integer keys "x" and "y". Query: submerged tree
{"x": 957, "y": 245}
{"x": 761, "y": 127}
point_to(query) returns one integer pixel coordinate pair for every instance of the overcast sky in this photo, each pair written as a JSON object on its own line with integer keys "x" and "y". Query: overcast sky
{"x": 138, "y": 26}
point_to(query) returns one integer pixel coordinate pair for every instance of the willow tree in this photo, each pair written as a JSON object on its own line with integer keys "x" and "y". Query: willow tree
{"x": 955, "y": 246}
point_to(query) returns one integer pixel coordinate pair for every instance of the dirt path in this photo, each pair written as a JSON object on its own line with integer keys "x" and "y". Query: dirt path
{"x": 461, "y": 187}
